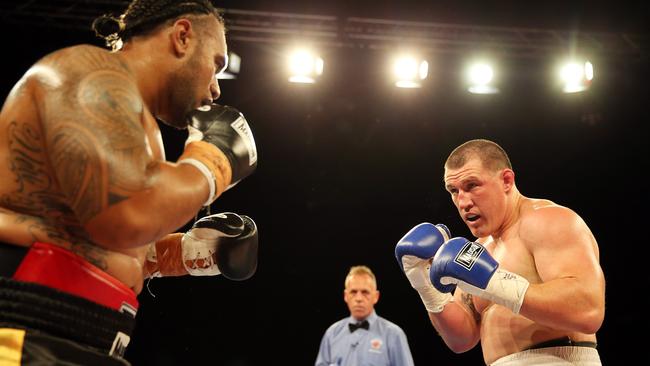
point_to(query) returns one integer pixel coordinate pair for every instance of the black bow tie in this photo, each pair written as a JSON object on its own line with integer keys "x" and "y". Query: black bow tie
{"x": 364, "y": 324}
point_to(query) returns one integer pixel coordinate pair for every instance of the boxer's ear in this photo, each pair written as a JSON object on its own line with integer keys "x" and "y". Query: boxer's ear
{"x": 507, "y": 179}
{"x": 180, "y": 36}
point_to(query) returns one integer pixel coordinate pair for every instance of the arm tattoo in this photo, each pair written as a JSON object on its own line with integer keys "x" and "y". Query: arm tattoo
{"x": 469, "y": 302}
{"x": 98, "y": 146}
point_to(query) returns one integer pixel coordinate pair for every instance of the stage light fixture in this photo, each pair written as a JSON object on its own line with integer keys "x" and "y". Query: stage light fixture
{"x": 410, "y": 71}
{"x": 480, "y": 79}
{"x": 305, "y": 67}
{"x": 576, "y": 76}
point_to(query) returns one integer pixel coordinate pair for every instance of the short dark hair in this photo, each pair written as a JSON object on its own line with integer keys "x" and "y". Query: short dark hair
{"x": 142, "y": 16}
{"x": 491, "y": 155}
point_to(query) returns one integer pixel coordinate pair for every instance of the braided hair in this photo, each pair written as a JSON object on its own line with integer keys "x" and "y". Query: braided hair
{"x": 142, "y": 16}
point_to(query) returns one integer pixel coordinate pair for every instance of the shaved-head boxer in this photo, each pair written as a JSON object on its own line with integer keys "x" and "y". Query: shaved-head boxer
{"x": 530, "y": 289}
{"x": 87, "y": 198}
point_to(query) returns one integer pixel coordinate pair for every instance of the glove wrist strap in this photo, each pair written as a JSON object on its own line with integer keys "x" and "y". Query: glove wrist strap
{"x": 504, "y": 288}
{"x": 507, "y": 289}
{"x": 212, "y": 163}
{"x": 434, "y": 301}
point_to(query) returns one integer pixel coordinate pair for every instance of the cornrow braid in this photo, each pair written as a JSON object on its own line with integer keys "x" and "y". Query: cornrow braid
{"x": 142, "y": 16}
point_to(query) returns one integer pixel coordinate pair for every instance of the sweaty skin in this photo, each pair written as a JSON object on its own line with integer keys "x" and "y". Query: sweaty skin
{"x": 36, "y": 154}
{"x": 81, "y": 155}
{"x": 515, "y": 253}
{"x": 548, "y": 244}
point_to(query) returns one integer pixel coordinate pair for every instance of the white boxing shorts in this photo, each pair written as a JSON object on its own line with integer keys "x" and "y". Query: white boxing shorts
{"x": 552, "y": 356}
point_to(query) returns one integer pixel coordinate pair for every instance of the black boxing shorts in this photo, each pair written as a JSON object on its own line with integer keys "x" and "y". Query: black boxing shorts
{"x": 33, "y": 348}
{"x": 54, "y": 303}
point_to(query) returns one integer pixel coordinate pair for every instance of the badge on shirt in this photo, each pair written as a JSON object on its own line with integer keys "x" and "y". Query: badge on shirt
{"x": 375, "y": 345}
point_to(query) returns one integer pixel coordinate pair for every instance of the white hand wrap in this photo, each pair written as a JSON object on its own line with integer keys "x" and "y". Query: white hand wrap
{"x": 504, "y": 288}
{"x": 194, "y": 134}
{"x": 208, "y": 175}
{"x": 417, "y": 271}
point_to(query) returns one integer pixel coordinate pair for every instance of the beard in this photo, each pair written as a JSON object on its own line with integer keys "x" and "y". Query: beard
{"x": 181, "y": 99}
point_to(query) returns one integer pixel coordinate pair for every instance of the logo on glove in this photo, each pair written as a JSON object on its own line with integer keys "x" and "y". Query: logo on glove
{"x": 468, "y": 255}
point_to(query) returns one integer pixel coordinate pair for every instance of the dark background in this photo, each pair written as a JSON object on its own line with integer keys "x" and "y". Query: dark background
{"x": 348, "y": 165}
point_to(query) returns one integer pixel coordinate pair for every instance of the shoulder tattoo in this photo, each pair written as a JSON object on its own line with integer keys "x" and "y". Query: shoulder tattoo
{"x": 96, "y": 138}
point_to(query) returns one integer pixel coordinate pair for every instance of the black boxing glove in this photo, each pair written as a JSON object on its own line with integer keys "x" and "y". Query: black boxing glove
{"x": 226, "y": 128}
{"x": 224, "y": 243}
{"x": 220, "y": 145}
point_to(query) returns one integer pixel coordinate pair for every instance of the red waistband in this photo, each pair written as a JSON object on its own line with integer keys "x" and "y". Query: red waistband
{"x": 55, "y": 267}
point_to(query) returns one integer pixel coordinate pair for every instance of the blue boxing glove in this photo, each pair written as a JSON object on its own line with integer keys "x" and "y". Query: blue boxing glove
{"x": 468, "y": 265}
{"x": 414, "y": 253}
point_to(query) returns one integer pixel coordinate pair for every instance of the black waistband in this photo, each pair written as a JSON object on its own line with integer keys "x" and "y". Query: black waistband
{"x": 562, "y": 342}
{"x": 10, "y": 257}
{"x": 26, "y": 305}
